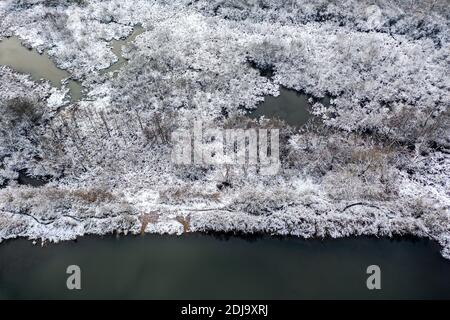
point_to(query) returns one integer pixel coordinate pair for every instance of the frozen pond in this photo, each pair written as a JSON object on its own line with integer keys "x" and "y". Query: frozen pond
{"x": 38, "y": 66}
{"x": 224, "y": 267}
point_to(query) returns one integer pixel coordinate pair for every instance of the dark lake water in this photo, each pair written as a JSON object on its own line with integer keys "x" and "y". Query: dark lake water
{"x": 198, "y": 266}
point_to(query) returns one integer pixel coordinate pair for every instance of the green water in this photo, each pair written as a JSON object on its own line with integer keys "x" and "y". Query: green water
{"x": 38, "y": 66}
{"x": 197, "y": 266}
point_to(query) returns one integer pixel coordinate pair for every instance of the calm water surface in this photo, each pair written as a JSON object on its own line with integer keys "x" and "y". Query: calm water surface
{"x": 196, "y": 266}
{"x": 38, "y": 66}
{"x": 291, "y": 106}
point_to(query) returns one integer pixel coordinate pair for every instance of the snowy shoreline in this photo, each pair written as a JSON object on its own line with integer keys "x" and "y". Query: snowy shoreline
{"x": 219, "y": 235}
{"x": 378, "y": 165}
{"x": 362, "y": 220}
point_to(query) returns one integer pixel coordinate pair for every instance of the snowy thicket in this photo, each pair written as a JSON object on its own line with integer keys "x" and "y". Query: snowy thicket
{"x": 26, "y": 108}
{"x": 375, "y": 162}
{"x": 411, "y": 18}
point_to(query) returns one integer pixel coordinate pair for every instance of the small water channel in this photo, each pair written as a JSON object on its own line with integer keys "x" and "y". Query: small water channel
{"x": 117, "y": 46}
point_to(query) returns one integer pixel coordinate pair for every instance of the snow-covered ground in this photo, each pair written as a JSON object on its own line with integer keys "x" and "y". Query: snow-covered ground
{"x": 378, "y": 164}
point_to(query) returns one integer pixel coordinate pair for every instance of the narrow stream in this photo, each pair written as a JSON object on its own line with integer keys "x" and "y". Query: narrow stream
{"x": 117, "y": 46}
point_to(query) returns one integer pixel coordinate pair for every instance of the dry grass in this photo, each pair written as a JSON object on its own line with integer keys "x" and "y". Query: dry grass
{"x": 93, "y": 195}
{"x": 370, "y": 159}
{"x": 148, "y": 218}
{"x": 185, "y": 222}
